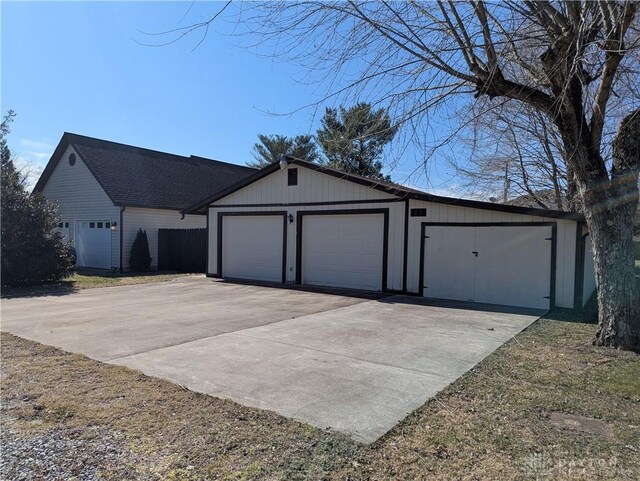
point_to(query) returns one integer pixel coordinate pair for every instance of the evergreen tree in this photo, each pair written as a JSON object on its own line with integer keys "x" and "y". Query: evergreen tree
{"x": 32, "y": 250}
{"x": 140, "y": 257}
{"x": 352, "y": 139}
{"x": 271, "y": 147}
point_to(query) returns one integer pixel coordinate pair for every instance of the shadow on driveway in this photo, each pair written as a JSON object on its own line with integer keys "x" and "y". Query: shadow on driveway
{"x": 62, "y": 288}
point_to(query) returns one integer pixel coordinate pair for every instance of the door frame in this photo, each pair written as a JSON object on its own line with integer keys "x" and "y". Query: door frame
{"x": 385, "y": 234}
{"x": 553, "y": 239}
{"x": 276, "y": 213}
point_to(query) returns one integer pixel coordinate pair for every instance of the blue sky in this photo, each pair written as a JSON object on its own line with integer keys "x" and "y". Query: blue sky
{"x": 80, "y": 67}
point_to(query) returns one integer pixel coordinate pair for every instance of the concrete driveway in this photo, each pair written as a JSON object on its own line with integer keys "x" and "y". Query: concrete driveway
{"x": 337, "y": 361}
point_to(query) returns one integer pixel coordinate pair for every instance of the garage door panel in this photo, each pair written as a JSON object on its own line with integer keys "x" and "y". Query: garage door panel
{"x": 506, "y": 265}
{"x": 252, "y": 247}
{"x": 93, "y": 244}
{"x": 343, "y": 250}
{"x": 448, "y": 272}
{"x": 514, "y": 265}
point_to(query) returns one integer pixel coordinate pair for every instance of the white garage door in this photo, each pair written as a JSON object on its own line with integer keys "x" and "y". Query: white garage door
{"x": 506, "y": 265}
{"x": 93, "y": 244}
{"x": 252, "y": 247}
{"x": 343, "y": 251}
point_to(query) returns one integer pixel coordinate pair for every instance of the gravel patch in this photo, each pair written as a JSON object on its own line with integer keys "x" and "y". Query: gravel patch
{"x": 64, "y": 454}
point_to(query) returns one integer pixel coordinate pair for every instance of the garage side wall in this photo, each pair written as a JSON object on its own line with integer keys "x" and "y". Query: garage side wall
{"x": 151, "y": 220}
{"x": 80, "y": 197}
{"x": 566, "y": 242}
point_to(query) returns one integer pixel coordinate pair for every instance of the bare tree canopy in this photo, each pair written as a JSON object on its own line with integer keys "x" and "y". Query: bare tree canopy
{"x": 574, "y": 62}
{"x": 516, "y": 157}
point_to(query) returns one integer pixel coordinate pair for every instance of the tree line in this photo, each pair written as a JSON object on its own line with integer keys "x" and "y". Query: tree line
{"x": 351, "y": 139}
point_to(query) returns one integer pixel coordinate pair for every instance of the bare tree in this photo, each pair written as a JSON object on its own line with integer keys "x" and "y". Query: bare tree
{"x": 563, "y": 59}
{"x": 517, "y": 156}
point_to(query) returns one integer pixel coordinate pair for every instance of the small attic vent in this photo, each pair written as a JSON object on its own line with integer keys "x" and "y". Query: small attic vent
{"x": 72, "y": 159}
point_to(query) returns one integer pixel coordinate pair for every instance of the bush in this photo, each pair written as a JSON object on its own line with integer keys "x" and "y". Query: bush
{"x": 33, "y": 252}
{"x": 140, "y": 258}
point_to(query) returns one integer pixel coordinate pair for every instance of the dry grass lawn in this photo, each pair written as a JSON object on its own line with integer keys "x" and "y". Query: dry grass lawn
{"x": 89, "y": 279}
{"x": 504, "y": 420}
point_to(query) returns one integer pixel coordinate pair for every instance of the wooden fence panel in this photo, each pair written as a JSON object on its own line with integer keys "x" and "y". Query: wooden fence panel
{"x": 182, "y": 250}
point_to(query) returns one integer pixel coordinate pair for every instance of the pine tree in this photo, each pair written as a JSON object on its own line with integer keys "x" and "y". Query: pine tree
{"x": 140, "y": 258}
{"x": 271, "y": 147}
{"x": 352, "y": 139}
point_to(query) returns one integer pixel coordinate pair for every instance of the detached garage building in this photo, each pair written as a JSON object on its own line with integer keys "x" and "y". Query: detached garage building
{"x": 302, "y": 223}
{"x": 106, "y": 191}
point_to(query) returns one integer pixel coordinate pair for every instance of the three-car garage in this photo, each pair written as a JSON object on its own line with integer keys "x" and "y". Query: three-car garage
{"x": 333, "y": 229}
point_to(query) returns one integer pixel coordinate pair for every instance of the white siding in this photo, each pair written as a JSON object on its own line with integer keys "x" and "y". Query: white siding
{"x": 316, "y": 187}
{"x": 312, "y": 187}
{"x": 566, "y": 241}
{"x": 151, "y": 220}
{"x": 80, "y": 197}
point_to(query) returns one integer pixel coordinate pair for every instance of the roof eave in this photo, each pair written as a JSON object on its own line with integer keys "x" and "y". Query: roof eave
{"x": 201, "y": 206}
{"x": 513, "y": 209}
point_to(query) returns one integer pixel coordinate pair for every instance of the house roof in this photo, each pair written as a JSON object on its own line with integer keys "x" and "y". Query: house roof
{"x": 137, "y": 177}
{"x": 397, "y": 190}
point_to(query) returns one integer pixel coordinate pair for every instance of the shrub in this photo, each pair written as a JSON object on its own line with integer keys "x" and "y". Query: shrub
{"x": 33, "y": 252}
{"x": 140, "y": 258}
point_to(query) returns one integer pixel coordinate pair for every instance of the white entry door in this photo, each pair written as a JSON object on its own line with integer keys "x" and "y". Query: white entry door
{"x": 93, "y": 244}
{"x": 493, "y": 264}
{"x": 253, "y": 247}
{"x": 343, "y": 250}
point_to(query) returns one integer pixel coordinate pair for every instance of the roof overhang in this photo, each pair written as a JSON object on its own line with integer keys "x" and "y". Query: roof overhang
{"x": 398, "y": 191}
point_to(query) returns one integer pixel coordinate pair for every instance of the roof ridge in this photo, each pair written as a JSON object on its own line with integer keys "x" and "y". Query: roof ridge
{"x": 381, "y": 182}
{"x": 72, "y": 135}
{"x": 199, "y": 157}
{"x": 153, "y": 152}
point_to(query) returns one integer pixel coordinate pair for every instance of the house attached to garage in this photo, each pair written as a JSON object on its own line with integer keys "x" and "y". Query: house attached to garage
{"x": 106, "y": 192}
{"x": 302, "y": 223}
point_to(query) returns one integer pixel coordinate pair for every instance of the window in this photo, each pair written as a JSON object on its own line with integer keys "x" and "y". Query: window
{"x": 293, "y": 176}
{"x": 92, "y": 225}
{"x": 107, "y": 225}
{"x": 99, "y": 225}
{"x": 72, "y": 159}
{"x": 59, "y": 225}
{"x": 66, "y": 225}
{"x": 418, "y": 212}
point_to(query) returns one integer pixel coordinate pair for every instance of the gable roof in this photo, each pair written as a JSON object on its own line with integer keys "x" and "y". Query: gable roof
{"x": 397, "y": 190}
{"x": 137, "y": 177}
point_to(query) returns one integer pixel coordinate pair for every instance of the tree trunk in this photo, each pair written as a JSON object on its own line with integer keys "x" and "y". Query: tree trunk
{"x": 611, "y": 233}
{"x": 610, "y": 211}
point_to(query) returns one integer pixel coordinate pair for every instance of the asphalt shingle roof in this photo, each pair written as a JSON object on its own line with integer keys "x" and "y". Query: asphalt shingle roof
{"x": 133, "y": 176}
